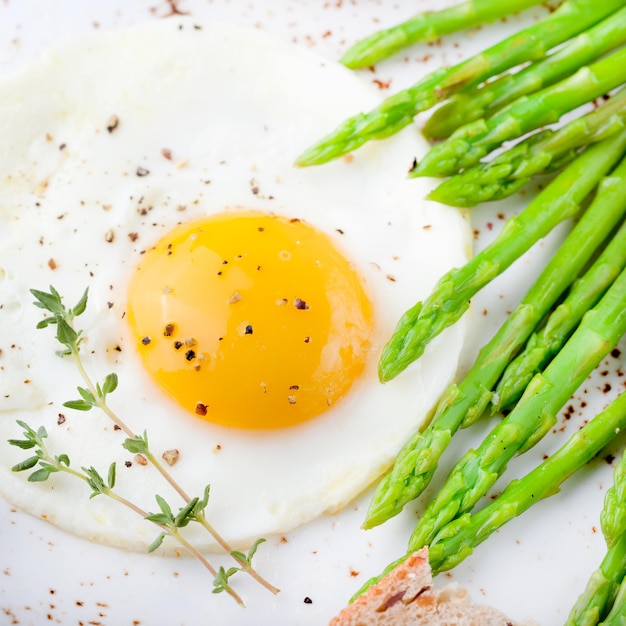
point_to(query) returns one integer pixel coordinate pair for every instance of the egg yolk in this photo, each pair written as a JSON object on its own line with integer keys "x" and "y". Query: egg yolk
{"x": 250, "y": 320}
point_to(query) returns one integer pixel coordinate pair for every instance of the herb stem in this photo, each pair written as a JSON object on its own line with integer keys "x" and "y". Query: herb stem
{"x": 100, "y": 402}
{"x": 87, "y": 476}
{"x": 196, "y": 553}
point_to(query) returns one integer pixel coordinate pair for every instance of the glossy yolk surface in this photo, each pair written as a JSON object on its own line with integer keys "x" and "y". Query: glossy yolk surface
{"x": 250, "y": 320}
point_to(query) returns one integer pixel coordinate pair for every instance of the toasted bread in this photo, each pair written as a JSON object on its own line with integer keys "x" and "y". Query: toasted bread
{"x": 407, "y": 596}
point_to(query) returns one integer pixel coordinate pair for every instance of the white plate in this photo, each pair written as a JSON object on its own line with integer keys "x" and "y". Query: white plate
{"x": 534, "y": 567}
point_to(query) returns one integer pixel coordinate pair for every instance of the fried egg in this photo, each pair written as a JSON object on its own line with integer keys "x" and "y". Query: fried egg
{"x": 242, "y": 302}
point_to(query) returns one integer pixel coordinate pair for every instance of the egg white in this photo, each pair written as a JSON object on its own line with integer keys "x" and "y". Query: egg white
{"x": 105, "y": 145}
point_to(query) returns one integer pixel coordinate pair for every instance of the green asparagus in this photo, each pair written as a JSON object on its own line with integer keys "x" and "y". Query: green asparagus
{"x": 484, "y": 100}
{"x": 542, "y": 152}
{"x": 613, "y": 514}
{"x": 457, "y": 540}
{"x": 429, "y": 27}
{"x": 465, "y": 402}
{"x": 547, "y": 341}
{"x": 398, "y": 111}
{"x": 470, "y": 143}
{"x": 451, "y": 296}
{"x": 534, "y": 415}
{"x": 596, "y": 600}
{"x": 617, "y": 616}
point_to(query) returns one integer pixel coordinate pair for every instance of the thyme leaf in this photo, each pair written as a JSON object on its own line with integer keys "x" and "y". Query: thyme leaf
{"x": 137, "y": 444}
{"x": 110, "y": 385}
{"x": 78, "y": 405}
{"x": 220, "y": 582}
{"x": 41, "y": 475}
{"x": 201, "y": 504}
{"x": 157, "y": 542}
{"x": 27, "y": 464}
{"x": 186, "y": 514}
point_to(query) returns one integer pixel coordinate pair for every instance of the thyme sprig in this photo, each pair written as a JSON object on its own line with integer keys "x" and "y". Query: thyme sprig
{"x": 168, "y": 523}
{"x": 94, "y": 395}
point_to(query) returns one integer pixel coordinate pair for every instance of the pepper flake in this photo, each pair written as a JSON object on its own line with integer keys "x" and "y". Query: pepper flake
{"x": 113, "y": 123}
{"x": 171, "y": 456}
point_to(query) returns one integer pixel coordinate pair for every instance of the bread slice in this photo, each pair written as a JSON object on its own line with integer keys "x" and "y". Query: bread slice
{"x": 407, "y": 596}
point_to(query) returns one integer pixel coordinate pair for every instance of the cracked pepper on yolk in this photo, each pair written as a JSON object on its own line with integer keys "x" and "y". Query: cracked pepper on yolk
{"x": 250, "y": 320}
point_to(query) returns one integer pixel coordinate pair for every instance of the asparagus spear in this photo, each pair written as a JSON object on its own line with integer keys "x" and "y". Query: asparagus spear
{"x": 617, "y": 616}
{"x": 535, "y": 414}
{"x": 396, "y": 112}
{"x": 428, "y": 26}
{"x": 596, "y": 600}
{"x": 457, "y": 540}
{"x": 482, "y": 101}
{"x": 613, "y": 514}
{"x": 542, "y": 152}
{"x": 465, "y": 402}
{"x": 452, "y": 293}
{"x": 467, "y": 145}
{"x": 547, "y": 341}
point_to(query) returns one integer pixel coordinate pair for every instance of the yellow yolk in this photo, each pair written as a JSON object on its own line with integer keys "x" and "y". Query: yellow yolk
{"x": 250, "y": 320}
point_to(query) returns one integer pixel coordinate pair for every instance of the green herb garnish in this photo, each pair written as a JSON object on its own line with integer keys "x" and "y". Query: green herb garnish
{"x": 94, "y": 395}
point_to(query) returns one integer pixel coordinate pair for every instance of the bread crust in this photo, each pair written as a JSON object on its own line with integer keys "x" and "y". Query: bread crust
{"x": 407, "y": 596}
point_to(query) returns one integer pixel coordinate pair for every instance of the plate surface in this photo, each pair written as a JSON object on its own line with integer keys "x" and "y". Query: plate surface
{"x": 534, "y": 567}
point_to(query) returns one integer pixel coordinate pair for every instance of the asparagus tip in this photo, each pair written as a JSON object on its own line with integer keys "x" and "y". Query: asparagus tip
{"x": 351, "y": 58}
{"x": 444, "y": 195}
{"x": 309, "y": 157}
